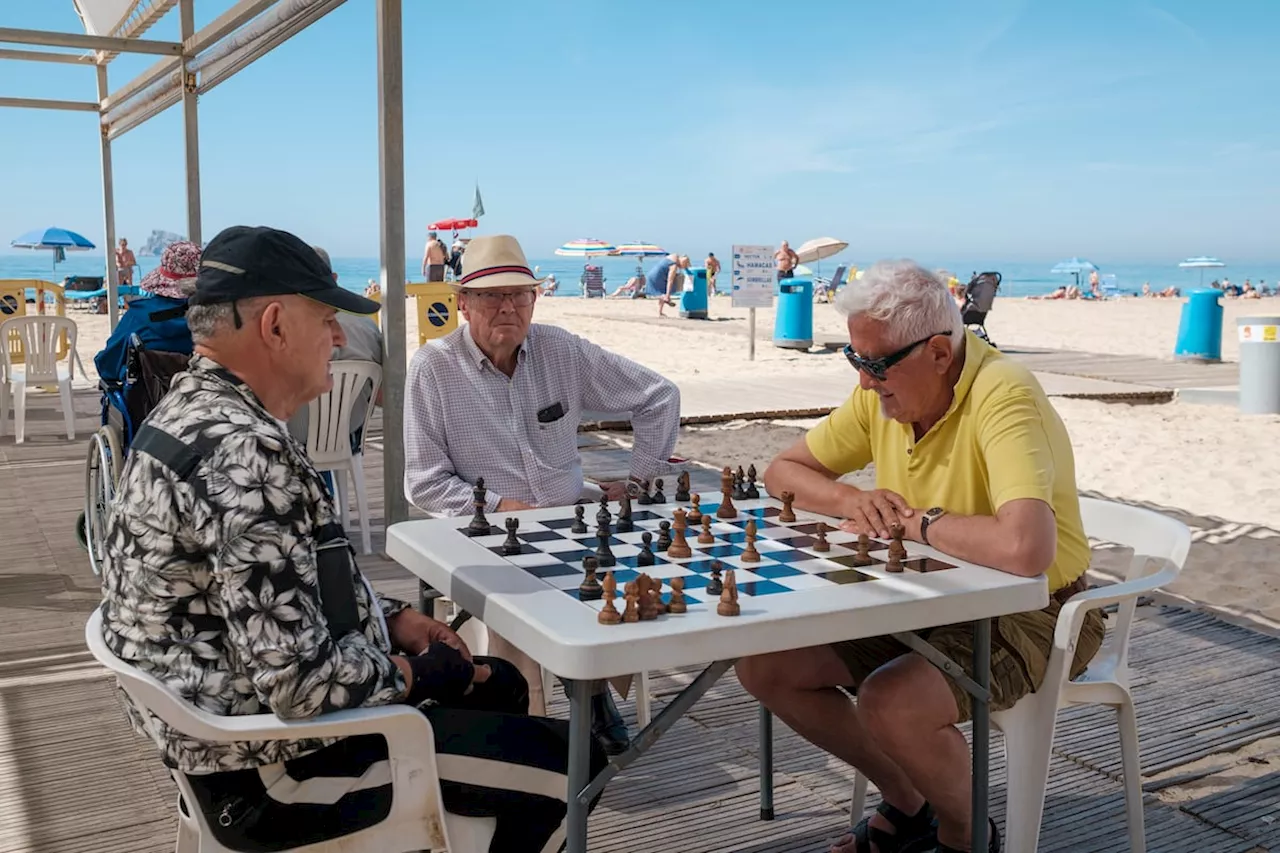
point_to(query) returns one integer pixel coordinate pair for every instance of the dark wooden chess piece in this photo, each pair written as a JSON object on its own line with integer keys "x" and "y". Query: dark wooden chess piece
{"x": 512, "y": 544}
{"x": 715, "y": 585}
{"x": 896, "y": 551}
{"x": 739, "y": 485}
{"x": 728, "y": 605}
{"x": 682, "y": 487}
{"x": 658, "y": 496}
{"x": 479, "y": 525}
{"x": 677, "y": 604}
{"x": 655, "y": 592}
{"x": 645, "y": 557}
{"x": 695, "y": 509}
{"x": 603, "y": 516}
{"x": 679, "y": 547}
{"x": 753, "y": 493}
{"x": 590, "y": 589}
{"x": 624, "y": 525}
{"x": 579, "y": 522}
{"x": 609, "y": 615}
{"x": 822, "y": 545}
{"x": 604, "y": 554}
{"x": 726, "y": 508}
{"x": 649, "y": 604}
{"x": 863, "y": 555}
{"x": 750, "y": 554}
{"x": 706, "y": 537}
{"x": 664, "y": 535}
{"x": 787, "y": 515}
{"x": 644, "y": 499}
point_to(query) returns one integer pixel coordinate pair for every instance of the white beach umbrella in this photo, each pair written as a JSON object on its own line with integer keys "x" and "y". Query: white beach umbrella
{"x": 1201, "y": 263}
{"x": 819, "y": 248}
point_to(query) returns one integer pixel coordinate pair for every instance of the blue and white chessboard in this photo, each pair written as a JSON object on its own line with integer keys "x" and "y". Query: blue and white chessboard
{"x": 788, "y": 561}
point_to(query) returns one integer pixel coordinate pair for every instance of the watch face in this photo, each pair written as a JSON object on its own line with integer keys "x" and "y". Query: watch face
{"x": 934, "y": 512}
{"x": 633, "y": 489}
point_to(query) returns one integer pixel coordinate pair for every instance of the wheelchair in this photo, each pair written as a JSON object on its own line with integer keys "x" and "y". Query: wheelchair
{"x": 125, "y": 405}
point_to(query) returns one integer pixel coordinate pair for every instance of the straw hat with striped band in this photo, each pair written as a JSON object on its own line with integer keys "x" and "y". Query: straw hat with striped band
{"x": 496, "y": 261}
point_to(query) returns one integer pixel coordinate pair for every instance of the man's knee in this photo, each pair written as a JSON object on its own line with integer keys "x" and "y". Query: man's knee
{"x": 770, "y": 675}
{"x": 904, "y": 696}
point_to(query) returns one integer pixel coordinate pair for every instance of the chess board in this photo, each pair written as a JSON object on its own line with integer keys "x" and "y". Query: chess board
{"x": 789, "y": 563}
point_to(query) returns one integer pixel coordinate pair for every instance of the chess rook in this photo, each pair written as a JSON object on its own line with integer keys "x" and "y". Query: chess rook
{"x": 787, "y": 515}
{"x": 511, "y": 546}
{"x": 590, "y": 589}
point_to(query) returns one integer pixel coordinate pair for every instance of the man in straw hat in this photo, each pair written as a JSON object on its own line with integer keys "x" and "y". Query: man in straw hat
{"x": 230, "y": 578}
{"x": 501, "y": 397}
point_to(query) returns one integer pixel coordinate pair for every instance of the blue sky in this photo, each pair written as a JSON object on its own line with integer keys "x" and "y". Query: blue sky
{"x": 1105, "y": 128}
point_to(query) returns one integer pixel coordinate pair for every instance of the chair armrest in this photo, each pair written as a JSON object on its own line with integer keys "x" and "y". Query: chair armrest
{"x": 1071, "y": 617}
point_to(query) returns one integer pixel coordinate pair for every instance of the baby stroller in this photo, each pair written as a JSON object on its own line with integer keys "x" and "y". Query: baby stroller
{"x": 979, "y": 298}
{"x": 125, "y": 405}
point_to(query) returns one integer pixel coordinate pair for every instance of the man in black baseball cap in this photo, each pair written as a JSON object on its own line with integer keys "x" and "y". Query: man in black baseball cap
{"x": 245, "y": 262}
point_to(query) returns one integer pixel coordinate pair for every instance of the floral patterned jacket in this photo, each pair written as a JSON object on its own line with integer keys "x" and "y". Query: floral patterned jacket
{"x": 213, "y": 582}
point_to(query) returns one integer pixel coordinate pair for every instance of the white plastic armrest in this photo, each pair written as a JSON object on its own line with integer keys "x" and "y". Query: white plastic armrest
{"x": 1071, "y": 617}
{"x": 396, "y": 722}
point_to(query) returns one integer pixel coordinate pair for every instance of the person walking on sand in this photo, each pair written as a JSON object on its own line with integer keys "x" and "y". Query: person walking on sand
{"x": 787, "y": 260}
{"x": 434, "y": 258}
{"x": 712, "y": 264}
{"x": 664, "y": 279}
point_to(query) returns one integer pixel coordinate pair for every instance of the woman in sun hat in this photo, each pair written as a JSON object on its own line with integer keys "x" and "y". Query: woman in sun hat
{"x": 168, "y": 287}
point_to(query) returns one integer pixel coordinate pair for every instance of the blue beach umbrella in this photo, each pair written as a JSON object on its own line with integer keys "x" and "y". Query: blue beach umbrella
{"x": 58, "y": 240}
{"x": 1075, "y": 266}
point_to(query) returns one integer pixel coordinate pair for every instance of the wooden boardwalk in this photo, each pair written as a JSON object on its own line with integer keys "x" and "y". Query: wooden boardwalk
{"x": 74, "y": 778}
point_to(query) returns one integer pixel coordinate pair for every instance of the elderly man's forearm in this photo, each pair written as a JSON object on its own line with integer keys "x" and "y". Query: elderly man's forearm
{"x": 986, "y": 541}
{"x": 814, "y": 490}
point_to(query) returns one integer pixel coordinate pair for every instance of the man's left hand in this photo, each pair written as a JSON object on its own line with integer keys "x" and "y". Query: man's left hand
{"x": 414, "y": 632}
{"x": 614, "y": 490}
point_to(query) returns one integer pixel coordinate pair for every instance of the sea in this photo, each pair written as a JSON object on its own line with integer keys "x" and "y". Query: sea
{"x": 1019, "y": 279}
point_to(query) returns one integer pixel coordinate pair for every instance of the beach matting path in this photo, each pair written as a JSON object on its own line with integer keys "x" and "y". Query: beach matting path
{"x": 74, "y": 778}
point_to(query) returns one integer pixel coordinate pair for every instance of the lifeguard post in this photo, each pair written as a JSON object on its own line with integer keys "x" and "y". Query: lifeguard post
{"x": 437, "y": 308}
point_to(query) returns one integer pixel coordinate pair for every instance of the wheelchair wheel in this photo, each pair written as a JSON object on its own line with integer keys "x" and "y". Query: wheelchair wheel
{"x": 102, "y": 472}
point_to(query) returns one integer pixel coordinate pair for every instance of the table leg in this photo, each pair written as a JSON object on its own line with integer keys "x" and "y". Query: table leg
{"x": 981, "y": 732}
{"x": 766, "y": 764}
{"x": 579, "y": 762}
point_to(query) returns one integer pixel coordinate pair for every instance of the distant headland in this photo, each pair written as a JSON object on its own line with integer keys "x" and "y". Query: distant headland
{"x": 156, "y": 243}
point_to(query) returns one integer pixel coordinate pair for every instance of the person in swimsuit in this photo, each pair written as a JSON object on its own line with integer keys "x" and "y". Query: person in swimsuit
{"x": 787, "y": 260}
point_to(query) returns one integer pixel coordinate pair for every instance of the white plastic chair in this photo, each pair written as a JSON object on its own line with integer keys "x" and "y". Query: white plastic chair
{"x": 329, "y": 437}
{"x": 39, "y": 337}
{"x": 1160, "y": 546}
{"x": 417, "y": 821}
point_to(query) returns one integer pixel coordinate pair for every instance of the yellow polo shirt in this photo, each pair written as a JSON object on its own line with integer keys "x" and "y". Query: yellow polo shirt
{"x": 1000, "y": 440}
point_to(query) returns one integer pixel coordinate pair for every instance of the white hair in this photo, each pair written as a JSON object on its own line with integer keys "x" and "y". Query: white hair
{"x": 911, "y": 300}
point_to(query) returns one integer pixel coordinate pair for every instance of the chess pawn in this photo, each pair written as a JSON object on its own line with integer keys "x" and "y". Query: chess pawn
{"x": 695, "y": 509}
{"x": 664, "y": 535}
{"x": 658, "y": 496}
{"x": 646, "y": 557}
{"x": 728, "y": 605}
{"x": 655, "y": 592}
{"x": 822, "y": 545}
{"x": 579, "y": 521}
{"x": 632, "y": 612}
{"x": 609, "y": 615}
{"x": 706, "y": 537}
{"x": 750, "y": 554}
{"x": 726, "y": 508}
{"x": 715, "y": 584}
{"x": 787, "y": 515}
{"x": 677, "y": 603}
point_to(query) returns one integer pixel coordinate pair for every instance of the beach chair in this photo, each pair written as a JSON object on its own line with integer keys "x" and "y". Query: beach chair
{"x": 417, "y": 821}
{"x": 37, "y": 341}
{"x": 593, "y": 282}
{"x": 979, "y": 299}
{"x": 824, "y": 289}
{"x": 1159, "y": 545}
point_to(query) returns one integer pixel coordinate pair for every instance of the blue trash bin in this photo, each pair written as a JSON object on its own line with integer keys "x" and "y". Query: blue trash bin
{"x": 793, "y": 322}
{"x": 1200, "y": 329}
{"x": 693, "y": 300}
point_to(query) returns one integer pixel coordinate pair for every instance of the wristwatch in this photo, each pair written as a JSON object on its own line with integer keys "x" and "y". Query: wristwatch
{"x": 930, "y": 516}
{"x": 635, "y": 488}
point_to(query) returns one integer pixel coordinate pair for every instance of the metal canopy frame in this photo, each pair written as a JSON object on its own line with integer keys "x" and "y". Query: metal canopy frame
{"x": 189, "y": 68}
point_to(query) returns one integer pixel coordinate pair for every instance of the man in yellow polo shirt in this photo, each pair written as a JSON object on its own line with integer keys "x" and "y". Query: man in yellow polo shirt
{"x": 971, "y": 459}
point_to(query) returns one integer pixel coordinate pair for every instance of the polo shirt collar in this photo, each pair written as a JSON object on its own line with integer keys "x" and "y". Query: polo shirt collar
{"x": 976, "y": 353}
{"x": 479, "y": 359}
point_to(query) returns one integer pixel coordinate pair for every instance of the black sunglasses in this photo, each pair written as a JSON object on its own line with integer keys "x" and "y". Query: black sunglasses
{"x": 878, "y": 367}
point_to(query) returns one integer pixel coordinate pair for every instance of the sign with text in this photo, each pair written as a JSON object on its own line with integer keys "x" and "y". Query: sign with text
{"x": 754, "y": 277}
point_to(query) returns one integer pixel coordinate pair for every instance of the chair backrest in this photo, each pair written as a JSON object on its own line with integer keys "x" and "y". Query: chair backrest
{"x": 39, "y": 340}
{"x": 329, "y": 415}
{"x": 593, "y": 281}
{"x": 1159, "y": 543}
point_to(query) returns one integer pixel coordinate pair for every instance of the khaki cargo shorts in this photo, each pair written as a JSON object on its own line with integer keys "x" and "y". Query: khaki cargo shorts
{"x": 1020, "y": 646}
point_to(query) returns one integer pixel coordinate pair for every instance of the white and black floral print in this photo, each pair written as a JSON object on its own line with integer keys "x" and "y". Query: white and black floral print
{"x": 211, "y": 582}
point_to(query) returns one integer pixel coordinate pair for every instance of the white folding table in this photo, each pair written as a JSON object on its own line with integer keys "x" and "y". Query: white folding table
{"x": 563, "y": 634}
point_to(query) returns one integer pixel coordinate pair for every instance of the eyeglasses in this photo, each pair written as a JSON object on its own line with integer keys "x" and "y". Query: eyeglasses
{"x": 493, "y": 298}
{"x": 878, "y": 367}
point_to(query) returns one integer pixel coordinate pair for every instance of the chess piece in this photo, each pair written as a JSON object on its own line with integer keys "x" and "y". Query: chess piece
{"x": 753, "y": 493}
{"x": 624, "y": 525}
{"x": 682, "y": 487}
{"x": 644, "y": 499}
{"x": 479, "y": 525}
{"x": 677, "y": 603}
{"x": 728, "y": 605}
{"x": 604, "y": 554}
{"x": 644, "y": 598}
{"x": 609, "y": 615}
{"x": 679, "y": 548}
{"x": 726, "y": 508}
{"x": 631, "y": 613}
{"x": 512, "y": 544}
{"x": 750, "y": 554}
{"x": 822, "y": 545}
{"x": 603, "y": 516}
{"x": 658, "y": 496}
{"x": 664, "y": 535}
{"x": 787, "y": 515}
{"x": 695, "y": 509}
{"x": 706, "y": 537}
{"x": 714, "y": 585}
{"x": 863, "y": 555}
{"x": 645, "y": 557}
{"x": 739, "y": 485}
{"x": 590, "y": 589}
{"x": 896, "y": 550}
{"x": 579, "y": 523}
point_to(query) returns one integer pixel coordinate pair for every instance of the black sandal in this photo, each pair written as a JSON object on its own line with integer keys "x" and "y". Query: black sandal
{"x": 993, "y": 843}
{"x": 912, "y": 832}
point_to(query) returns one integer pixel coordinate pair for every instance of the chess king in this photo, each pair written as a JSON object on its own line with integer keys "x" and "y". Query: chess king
{"x": 501, "y": 397}
{"x": 971, "y": 459}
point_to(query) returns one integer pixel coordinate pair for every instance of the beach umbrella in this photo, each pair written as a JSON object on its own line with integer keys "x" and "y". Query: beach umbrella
{"x": 452, "y": 224}
{"x": 58, "y": 240}
{"x": 1075, "y": 266}
{"x": 639, "y": 251}
{"x": 586, "y": 249}
{"x": 1201, "y": 263}
{"x": 820, "y": 247}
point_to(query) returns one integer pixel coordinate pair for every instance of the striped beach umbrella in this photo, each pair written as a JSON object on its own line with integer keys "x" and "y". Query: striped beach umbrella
{"x": 586, "y": 249}
{"x": 640, "y": 250}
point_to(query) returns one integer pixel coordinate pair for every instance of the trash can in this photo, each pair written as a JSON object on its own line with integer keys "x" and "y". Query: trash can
{"x": 1200, "y": 329}
{"x": 793, "y": 322}
{"x": 1259, "y": 365}
{"x": 693, "y": 300}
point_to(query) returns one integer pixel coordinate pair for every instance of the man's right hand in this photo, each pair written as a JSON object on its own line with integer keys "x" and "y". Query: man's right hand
{"x": 874, "y": 512}
{"x": 482, "y": 673}
{"x": 513, "y": 505}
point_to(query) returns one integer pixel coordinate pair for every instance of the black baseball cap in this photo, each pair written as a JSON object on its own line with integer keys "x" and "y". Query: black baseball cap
{"x": 244, "y": 262}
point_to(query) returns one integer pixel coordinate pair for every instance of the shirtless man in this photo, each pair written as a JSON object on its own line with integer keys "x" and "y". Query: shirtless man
{"x": 125, "y": 262}
{"x": 787, "y": 260}
{"x": 713, "y": 267}
{"x": 434, "y": 259}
